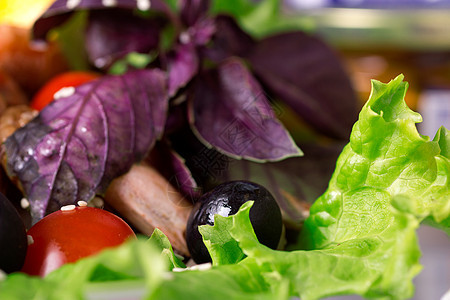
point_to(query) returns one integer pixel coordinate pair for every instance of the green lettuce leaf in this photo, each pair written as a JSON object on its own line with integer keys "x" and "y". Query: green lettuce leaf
{"x": 386, "y": 162}
{"x": 222, "y": 247}
{"x": 139, "y": 269}
{"x": 240, "y": 281}
{"x": 355, "y": 266}
{"x": 135, "y": 267}
{"x": 387, "y": 180}
{"x": 161, "y": 241}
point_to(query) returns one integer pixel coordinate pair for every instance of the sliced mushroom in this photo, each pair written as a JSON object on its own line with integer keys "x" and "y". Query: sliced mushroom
{"x": 148, "y": 201}
{"x": 13, "y": 118}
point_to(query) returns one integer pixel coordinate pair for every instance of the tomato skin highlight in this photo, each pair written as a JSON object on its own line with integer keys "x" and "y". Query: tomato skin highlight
{"x": 66, "y": 236}
{"x": 71, "y": 78}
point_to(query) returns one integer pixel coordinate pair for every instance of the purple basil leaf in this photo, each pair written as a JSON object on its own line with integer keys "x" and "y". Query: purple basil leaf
{"x": 306, "y": 74}
{"x": 111, "y": 34}
{"x": 228, "y": 40}
{"x": 79, "y": 143}
{"x": 172, "y": 166}
{"x": 60, "y": 11}
{"x": 182, "y": 65}
{"x": 295, "y": 182}
{"x": 230, "y": 112}
{"x": 193, "y": 10}
{"x": 183, "y": 60}
{"x": 185, "y": 143}
{"x": 202, "y": 31}
{"x": 182, "y": 177}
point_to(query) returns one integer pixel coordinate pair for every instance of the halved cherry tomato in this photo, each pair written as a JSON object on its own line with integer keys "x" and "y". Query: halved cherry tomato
{"x": 68, "y": 235}
{"x": 72, "y": 78}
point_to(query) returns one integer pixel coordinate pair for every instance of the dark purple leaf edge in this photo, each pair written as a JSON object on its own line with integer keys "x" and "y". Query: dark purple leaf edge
{"x": 182, "y": 65}
{"x": 173, "y": 167}
{"x": 230, "y": 112}
{"x": 307, "y": 75}
{"x": 192, "y": 11}
{"x": 111, "y": 35}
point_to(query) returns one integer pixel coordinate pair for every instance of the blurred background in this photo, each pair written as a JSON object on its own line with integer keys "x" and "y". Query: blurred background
{"x": 379, "y": 39}
{"x": 376, "y": 39}
{"x": 22, "y": 13}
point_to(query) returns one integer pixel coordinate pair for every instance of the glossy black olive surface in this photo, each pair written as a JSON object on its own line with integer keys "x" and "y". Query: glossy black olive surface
{"x": 225, "y": 200}
{"x": 13, "y": 237}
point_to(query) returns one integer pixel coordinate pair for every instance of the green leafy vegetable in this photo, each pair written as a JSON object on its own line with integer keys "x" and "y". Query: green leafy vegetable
{"x": 240, "y": 281}
{"x": 221, "y": 245}
{"x": 355, "y": 266}
{"x": 159, "y": 239}
{"x": 388, "y": 159}
{"x": 135, "y": 267}
{"x": 387, "y": 180}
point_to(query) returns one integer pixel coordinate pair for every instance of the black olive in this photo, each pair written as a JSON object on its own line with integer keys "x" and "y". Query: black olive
{"x": 13, "y": 237}
{"x": 225, "y": 200}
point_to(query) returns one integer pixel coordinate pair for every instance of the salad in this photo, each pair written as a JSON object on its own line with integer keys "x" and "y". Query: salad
{"x": 174, "y": 84}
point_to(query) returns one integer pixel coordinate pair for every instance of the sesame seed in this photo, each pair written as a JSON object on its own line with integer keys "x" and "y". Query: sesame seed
{"x": 185, "y": 38}
{"x": 109, "y": 3}
{"x": 24, "y": 203}
{"x": 200, "y": 267}
{"x": 100, "y": 62}
{"x": 82, "y": 203}
{"x": 177, "y": 269}
{"x": 72, "y": 3}
{"x": 143, "y": 4}
{"x": 68, "y": 207}
{"x": 30, "y": 240}
{"x": 64, "y": 92}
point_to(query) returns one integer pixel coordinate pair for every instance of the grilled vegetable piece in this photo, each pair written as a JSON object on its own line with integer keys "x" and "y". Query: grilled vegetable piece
{"x": 148, "y": 201}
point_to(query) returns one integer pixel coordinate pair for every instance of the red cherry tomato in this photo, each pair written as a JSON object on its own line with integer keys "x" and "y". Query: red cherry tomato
{"x": 66, "y": 236}
{"x": 72, "y": 78}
